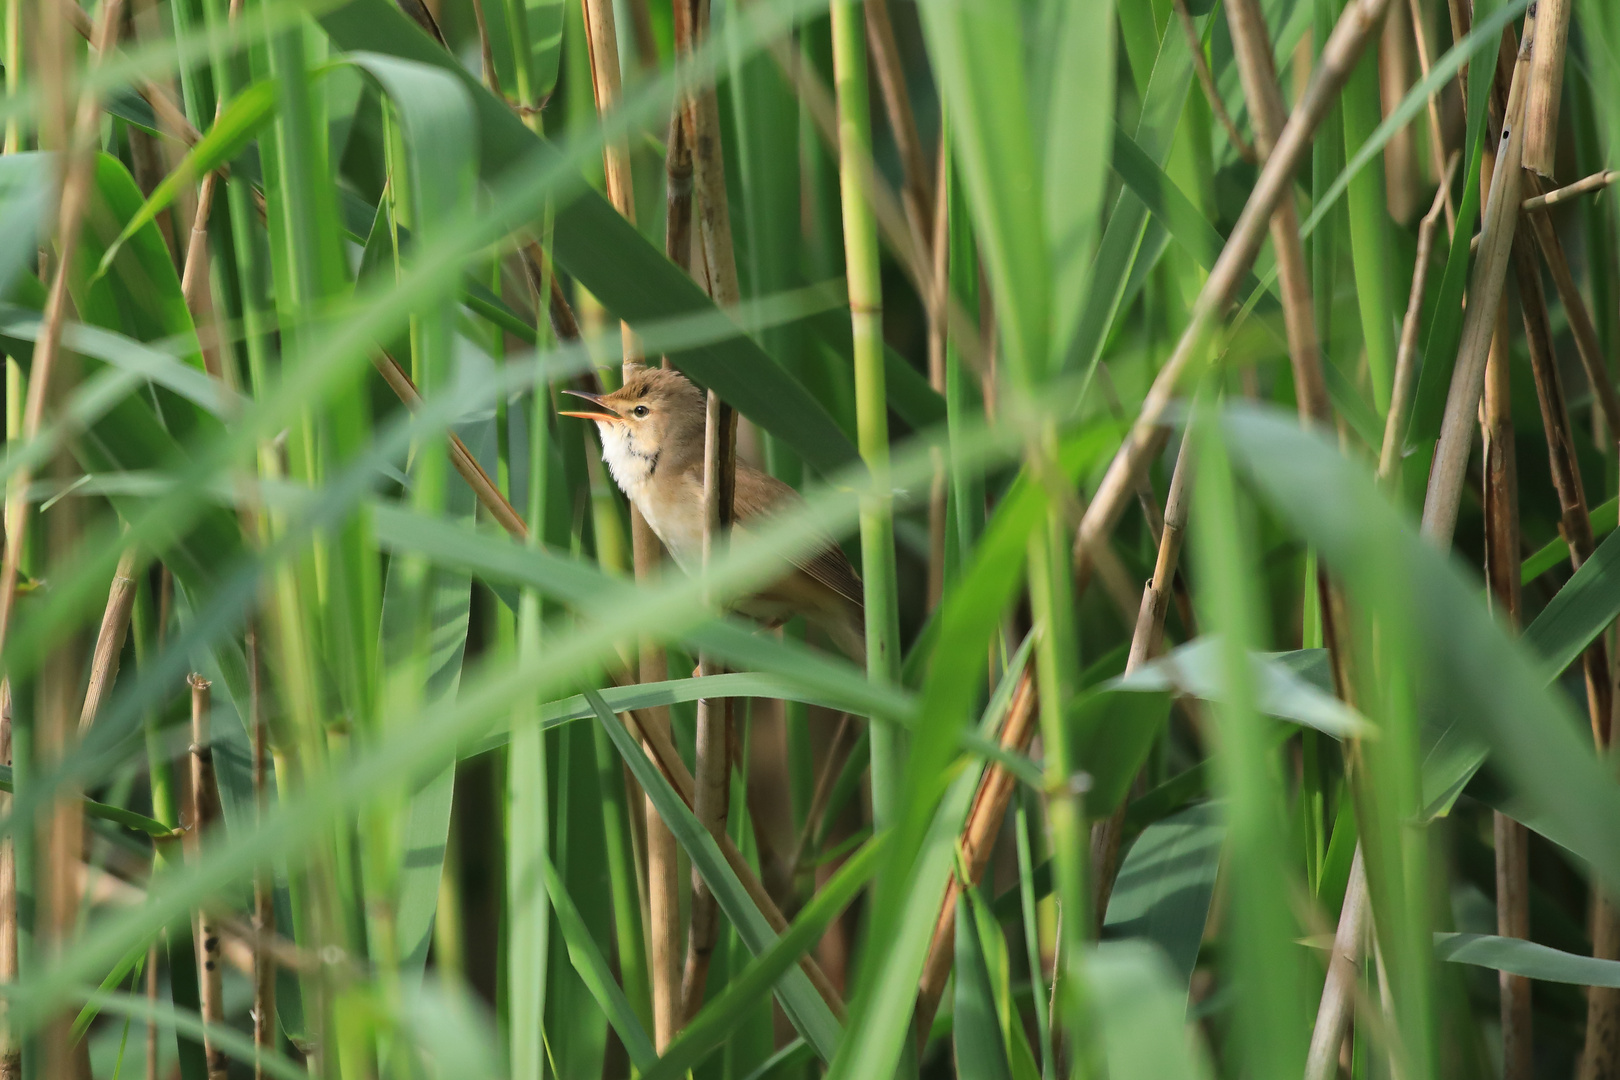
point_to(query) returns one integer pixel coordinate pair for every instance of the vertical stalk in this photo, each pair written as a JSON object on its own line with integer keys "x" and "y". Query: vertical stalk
{"x": 918, "y": 192}
{"x": 861, "y": 265}
{"x": 710, "y": 209}
{"x": 264, "y": 908}
{"x": 1252, "y": 44}
{"x": 1546, "y": 85}
{"x": 109, "y": 639}
{"x": 1484, "y": 294}
{"x": 10, "y": 1047}
{"x": 204, "y": 818}
{"x": 1051, "y": 593}
{"x": 1502, "y": 574}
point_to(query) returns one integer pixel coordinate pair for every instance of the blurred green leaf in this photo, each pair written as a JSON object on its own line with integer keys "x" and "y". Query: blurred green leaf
{"x": 1141, "y": 1015}
{"x": 1193, "y": 669}
{"x": 1519, "y": 957}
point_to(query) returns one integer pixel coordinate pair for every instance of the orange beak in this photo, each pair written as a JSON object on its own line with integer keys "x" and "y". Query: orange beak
{"x": 606, "y": 414}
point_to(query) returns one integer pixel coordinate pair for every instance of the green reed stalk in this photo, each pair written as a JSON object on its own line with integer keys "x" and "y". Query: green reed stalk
{"x": 861, "y": 265}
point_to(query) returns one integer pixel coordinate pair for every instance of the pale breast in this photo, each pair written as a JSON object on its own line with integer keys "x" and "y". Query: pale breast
{"x": 674, "y": 510}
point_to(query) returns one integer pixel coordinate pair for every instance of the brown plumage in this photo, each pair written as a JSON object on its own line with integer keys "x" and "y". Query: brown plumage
{"x": 652, "y": 441}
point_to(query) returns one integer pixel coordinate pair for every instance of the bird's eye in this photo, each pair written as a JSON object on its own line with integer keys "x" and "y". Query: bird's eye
{"x": 639, "y": 410}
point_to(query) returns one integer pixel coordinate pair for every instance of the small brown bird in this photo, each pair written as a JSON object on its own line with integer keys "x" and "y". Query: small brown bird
{"x": 652, "y": 441}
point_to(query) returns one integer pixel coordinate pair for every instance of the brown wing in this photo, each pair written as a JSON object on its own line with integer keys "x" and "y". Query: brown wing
{"x": 760, "y": 495}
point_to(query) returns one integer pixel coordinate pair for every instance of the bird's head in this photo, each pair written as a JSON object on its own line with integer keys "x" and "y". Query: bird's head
{"x": 654, "y": 420}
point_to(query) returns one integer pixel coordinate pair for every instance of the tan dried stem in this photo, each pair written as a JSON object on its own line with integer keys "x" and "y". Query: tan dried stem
{"x": 1212, "y": 93}
{"x": 10, "y": 1048}
{"x": 915, "y": 170}
{"x": 711, "y": 210}
{"x": 264, "y": 907}
{"x": 1502, "y": 576}
{"x": 109, "y": 639}
{"x": 486, "y": 51}
{"x": 1484, "y": 294}
{"x": 1597, "y": 181}
{"x": 1574, "y": 521}
{"x": 989, "y": 809}
{"x": 1406, "y": 353}
{"x": 1252, "y": 45}
{"x": 1437, "y": 140}
{"x": 1587, "y": 346}
{"x": 77, "y": 169}
{"x": 1546, "y": 85}
{"x": 1147, "y": 639}
{"x": 487, "y": 492}
{"x": 1343, "y": 978}
{"x": 1355, "y": 27}
{"x": 170, "y": 116}
{"x": 205, "y": 815}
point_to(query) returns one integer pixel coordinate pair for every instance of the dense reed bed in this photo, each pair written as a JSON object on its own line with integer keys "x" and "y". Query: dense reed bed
{"x": 1216, "y": 400}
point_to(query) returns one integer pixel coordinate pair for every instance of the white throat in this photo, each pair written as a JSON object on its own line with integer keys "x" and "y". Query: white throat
{"x": 632, "y": 465}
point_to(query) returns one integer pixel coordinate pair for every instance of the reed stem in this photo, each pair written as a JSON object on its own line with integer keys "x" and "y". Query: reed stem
{"x": 861, "y": 266}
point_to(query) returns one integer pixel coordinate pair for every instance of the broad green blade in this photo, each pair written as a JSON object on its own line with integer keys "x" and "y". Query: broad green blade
{"x": 1166, "y": 883}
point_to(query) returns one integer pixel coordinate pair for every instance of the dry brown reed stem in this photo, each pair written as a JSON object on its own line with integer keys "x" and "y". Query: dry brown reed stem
{"x": 1513, "y": 921}
{"x": 73, "y": 134}
{"x": 10, "y": 1050}
{"x": 204, "y": 813}
{"x": 915, "y": 171}
{"x": 661, "y": 750}
{"x": 1212, "y": 94}
{"x": 1344, "y": 46}
{"x": 151, "y": 1020}
{"x": 711, "y": 210}
{"x": 195, "y": 288}
{"x": 488, "y": 494}
{"x": 1546, "y": 85}
{"x": 1252, "y": 45}
{"x": 678, "y": 192}
{"x": 264, "y": 907}
{"x": 663, "y": 876}
{"x": 1343, "y": 978}
{"x": 109, "y": 639}
{"x": 170, "y": 116}
{"x": 978, "y": 839}
{"x": 1146, "y": 640}
{"x": 1574, "y": 522}
{"x": 486, "y": 52}
{"x": 1405, "y": 380}
{"x": 1484, "y": 294}
{"x": 78, "y": 163}
{"x": 1437, "y": 141}
{"x": 1587, "y": 345}
{"x": 1538, "y": 203}
{"x": 1502, "y": 577}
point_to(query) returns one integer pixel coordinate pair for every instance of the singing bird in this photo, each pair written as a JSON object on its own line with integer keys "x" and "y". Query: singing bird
{"x": 652, "y": 441}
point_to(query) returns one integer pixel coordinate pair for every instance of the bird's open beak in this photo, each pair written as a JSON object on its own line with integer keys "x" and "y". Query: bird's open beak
{"x": 606, "y": 411}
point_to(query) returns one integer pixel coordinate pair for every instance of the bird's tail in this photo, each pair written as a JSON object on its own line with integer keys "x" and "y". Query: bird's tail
{"x": 848, "y": 632}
